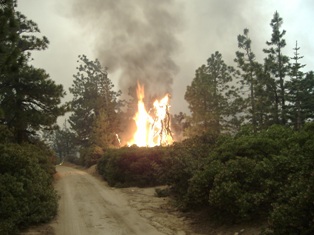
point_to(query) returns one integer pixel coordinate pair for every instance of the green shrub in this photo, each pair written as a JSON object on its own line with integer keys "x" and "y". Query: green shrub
{"x": 45, "y": 157}
{"x": 239, "y": 191}
{"x": 91, "y": 155}
{"x": 293, "y": 212}
{"x": 176, "y": 171}
{"x": 254, "y": 145}
{"x": 11, "y": 212}
{"x": 200, "y": 184}
{"x": 26, "y": 195}
{"x": 181, "y": 163}
{"x": 6, "y": 136}
{"x": 131, "y": 166}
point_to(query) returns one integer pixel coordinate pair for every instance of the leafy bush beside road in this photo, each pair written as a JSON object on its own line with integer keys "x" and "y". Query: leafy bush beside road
{"x": 26, "y": 192}
{"x": 131, "y": 166}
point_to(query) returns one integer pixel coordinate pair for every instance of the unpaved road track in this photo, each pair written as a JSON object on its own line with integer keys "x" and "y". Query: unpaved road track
{"x": 89, "y": 207}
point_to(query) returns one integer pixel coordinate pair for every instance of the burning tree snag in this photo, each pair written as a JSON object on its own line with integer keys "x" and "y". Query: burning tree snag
{"x": 153, "y": 127}
{"x": 167, "y": 122}
{"x": 163, "y": 120}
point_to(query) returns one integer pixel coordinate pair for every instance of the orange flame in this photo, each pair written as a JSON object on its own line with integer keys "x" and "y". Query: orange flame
{"x": 151, "y": 130}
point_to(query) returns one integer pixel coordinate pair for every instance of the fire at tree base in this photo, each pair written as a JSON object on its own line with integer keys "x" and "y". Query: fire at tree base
{"x": 153, "y": 127}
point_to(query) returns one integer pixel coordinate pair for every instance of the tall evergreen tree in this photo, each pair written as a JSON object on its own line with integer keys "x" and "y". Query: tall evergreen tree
{"x": 29, "y": 99}
{"x": 208, "y": 96}
{"x": 94, "y": 100}
{"x": 255, "y": 82}
{"x": 307, "y": 104}
{"x": 7, "y": 25}
{"x": 300, "y": 97}
{"x": 277, "y": 64}
{"x": 246, "y": 61}
{"x": 294, "y": 86}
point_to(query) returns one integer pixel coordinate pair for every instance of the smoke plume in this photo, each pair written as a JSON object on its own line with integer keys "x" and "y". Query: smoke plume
{"x": 135, "y": 39}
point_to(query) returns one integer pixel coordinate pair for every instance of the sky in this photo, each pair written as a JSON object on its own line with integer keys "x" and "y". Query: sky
{"x": 160, "y": 42}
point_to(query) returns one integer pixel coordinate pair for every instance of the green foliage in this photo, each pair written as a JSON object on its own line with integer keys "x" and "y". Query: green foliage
{"x": 131, "y": 166}
{"x": 90, "y": 155}
{"x": 199, "y": 185}
{"x": 6, "y": 136}
{"x": 258, "y": 176}
{"x": 277, "y": 65}
{"x": 264, "y": 94}
{"x": 29, "y": 99}
{"x": 8, "y": 25}
{"x": 293, "y": 212}
{"x": 96, "y": 108}
{"x": 257, "y": 146}
{"x": 62, "y": 142}
{"x": 300, "y": 96}
{"x": 180, "y": 165}
{"x": 46, "y": 157}
{"x": 26, "y": 193}
{"x": 95, "y": 105}
{"x": 249, "y": 67}
{"x": 238, "y": 192}
{"x": 209, "y": 97}
{"x": 295, "y": 111}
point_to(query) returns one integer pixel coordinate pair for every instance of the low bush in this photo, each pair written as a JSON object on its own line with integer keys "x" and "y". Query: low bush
{"x": 91, "y": 155}
{"x": 26, "y": 193}
{"x": 182, "y": 161}
{"x": 293, "y": 212}
{"x": 240, "y": 190}
{"x": 131, "y": 166}
{"x": 200, "y": 184}
{"x": 266, "y": 175}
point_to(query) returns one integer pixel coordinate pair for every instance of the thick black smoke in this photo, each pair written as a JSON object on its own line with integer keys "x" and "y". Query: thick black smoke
{"x": 136, "y": 39}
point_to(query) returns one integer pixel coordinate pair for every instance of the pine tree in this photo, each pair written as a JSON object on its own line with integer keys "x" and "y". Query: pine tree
{"x": 8, "y": 24}
{"x": 301, "y": 99}
{"x": 94, "y": 101}
{"x": 208, "y": 97}
{"x": 277, "y": 65}
{"x": 29, "y": 99}
{"x": 265, "y": 95}
{"x": 294, "y": 96}
{"x": 245, "y": 60}
{"x": 307, "y": 104}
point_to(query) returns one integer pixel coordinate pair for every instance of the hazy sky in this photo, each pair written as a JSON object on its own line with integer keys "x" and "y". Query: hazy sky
{"x": 178, "y": 36}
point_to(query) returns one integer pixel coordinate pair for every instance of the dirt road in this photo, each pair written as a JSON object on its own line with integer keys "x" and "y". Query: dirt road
{"x": 89, "y": 207}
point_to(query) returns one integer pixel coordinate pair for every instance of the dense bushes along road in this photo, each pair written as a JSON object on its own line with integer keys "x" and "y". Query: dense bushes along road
{"x": 247, "y": 177}
{"x": 26, "y": 193}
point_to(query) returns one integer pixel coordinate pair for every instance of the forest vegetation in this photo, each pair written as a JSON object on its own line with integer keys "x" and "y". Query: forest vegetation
{"x": 247, "y": 148}
{"x": 30, "y": 102}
